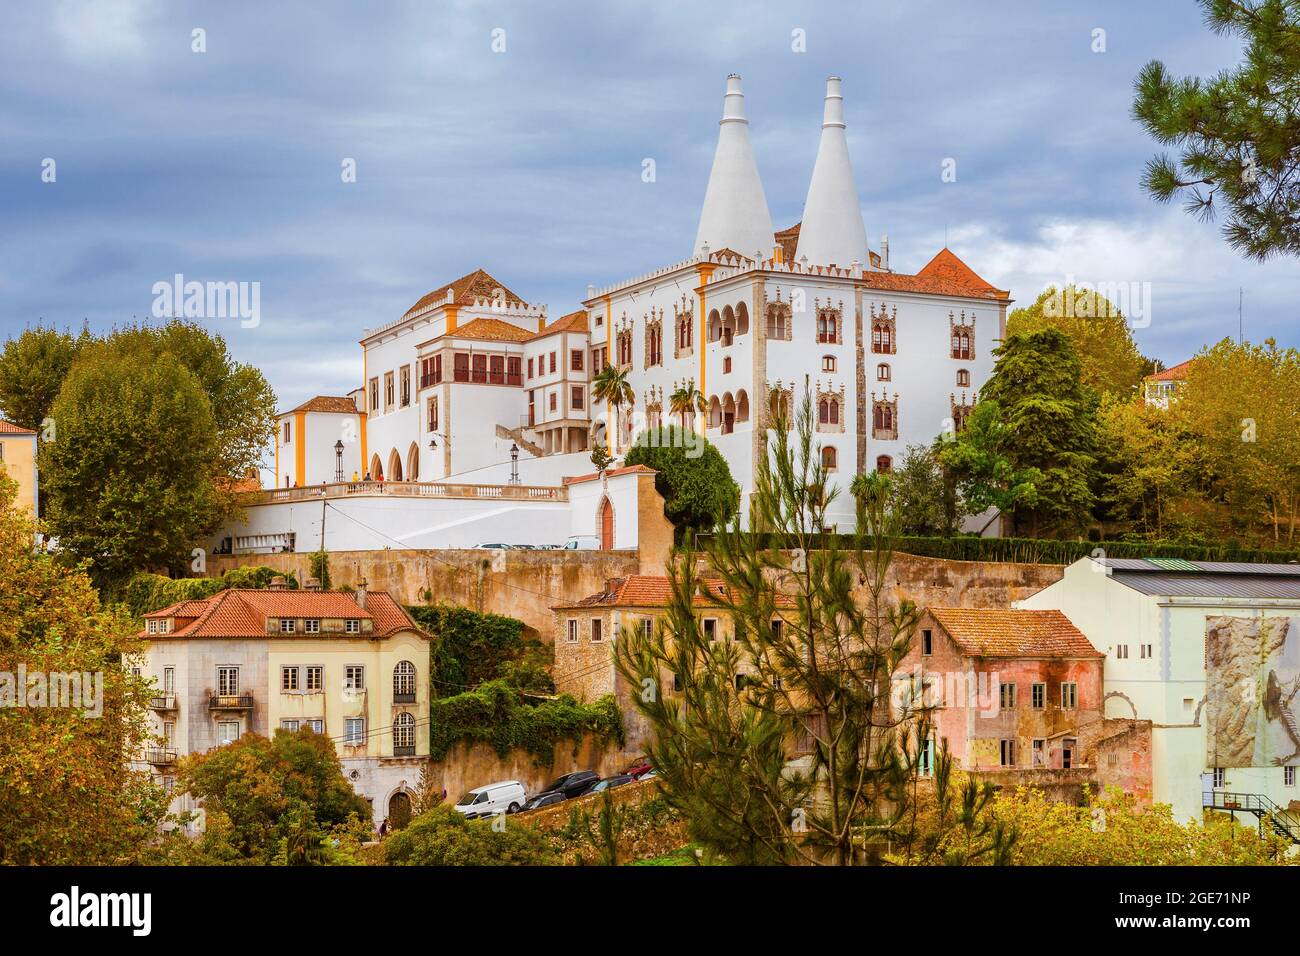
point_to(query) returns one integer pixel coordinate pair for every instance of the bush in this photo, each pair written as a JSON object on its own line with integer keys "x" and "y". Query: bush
{"x": 443, "y": 837}
{"x": 145, "y": 592}
{"x": 469, "y": 647}
{"x": 496, "y": 714}
{"x": 698, "y": 491}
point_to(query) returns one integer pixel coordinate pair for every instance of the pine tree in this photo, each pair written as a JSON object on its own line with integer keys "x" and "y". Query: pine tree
{"x": 779, "y": 741}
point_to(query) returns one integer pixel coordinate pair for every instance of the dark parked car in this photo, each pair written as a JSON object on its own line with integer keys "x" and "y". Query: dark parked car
{"x": 543, "y": 800}
{"x": 609, "y": 783}
{"x": 574, "y": 784}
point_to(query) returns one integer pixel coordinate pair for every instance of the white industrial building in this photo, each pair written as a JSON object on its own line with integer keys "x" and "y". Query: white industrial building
{"x": 1210, "y": 653}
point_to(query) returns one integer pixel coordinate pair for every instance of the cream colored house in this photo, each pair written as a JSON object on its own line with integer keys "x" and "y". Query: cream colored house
{"x": 355, "y": 668}
{"x": 18, "y": 460}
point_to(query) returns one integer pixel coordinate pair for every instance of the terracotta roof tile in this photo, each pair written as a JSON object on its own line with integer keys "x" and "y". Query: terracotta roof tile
{"x": 490, "y": 330}
{"x": 242, "y": 612}
{"x": 9, "y": 428}
{"x": 573, "y": 322}
{"x": 1175, "y": 373}
{"x": 465, "y": 290}
{"x": 326, "y": 403}
{"x": 1006, "y": 633}
{"x": 648, "y": 590}
{"x": 945, "y": 274}
{"x": 611, "y": 473}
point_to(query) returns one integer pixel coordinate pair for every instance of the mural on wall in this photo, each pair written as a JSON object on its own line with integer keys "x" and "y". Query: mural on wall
{"x": 1252, "y": 688}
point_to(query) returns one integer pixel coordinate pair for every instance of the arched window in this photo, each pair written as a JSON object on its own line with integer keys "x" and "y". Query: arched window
{"x": 884, "y": 463}
{"x": 828, "y": 363}
{"x": 404, "y": 735}
{"x": 963, "y": 377}
{"x": 828, "y": 411}
{"x": 883, "y": 373}
{"x": 404, "y": 683}
{"x": 828, "y": 458}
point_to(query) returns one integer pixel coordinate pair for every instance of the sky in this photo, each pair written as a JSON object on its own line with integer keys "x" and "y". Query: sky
{"x": 513, "y": 137}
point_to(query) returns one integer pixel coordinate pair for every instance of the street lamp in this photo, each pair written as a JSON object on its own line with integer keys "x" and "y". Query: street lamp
{"x": 514, "y": 464}
{"x": 338, "y": 460}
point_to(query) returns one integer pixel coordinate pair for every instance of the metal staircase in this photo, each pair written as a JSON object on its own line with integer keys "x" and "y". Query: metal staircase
{"x": 1285, "y": 823}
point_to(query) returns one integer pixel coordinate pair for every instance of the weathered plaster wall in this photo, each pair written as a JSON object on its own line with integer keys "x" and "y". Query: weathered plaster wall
{"x": 467, "y": 765}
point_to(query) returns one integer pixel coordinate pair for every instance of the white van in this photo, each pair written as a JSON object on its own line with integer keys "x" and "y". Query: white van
{"x": 582, "y": 542}
{"x": 505, "y": 797}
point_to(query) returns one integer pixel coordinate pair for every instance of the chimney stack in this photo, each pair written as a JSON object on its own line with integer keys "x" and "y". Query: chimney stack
{"x": 735, "y": 214}
{"x": 884, "y": 251}
{"x": 832, "y": 229}
{"x": 360, "y": 595}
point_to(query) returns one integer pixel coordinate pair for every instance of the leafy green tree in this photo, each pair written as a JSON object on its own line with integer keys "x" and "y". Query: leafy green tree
{"x": 32, "y": 369}
{"x": 1034, "y": 461}
{"x": 687, "y": 401}
{"x": 319, "y": 565}
{"x": 443, "y": 837}
{"x": 1109, "y": 360}
{"x": 691, "y": 475}
{"x": 469, "y": 647}
{"x": 1237, "y": 133}
{"x": 778, "y": 741}
{"x": 600, "y": 456}
{"x": 1239, "y": 402}
{"x": 68, "y": 798}
{"x": 923, "y": 495}
{"x": 274, "y": 800}
{"x": 130, "y": 476}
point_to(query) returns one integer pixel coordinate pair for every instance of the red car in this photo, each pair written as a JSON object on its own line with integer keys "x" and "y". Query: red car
{"x": 639, "y": 768}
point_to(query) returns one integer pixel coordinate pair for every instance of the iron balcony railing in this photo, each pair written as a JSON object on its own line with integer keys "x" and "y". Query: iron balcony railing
{"x": 231, "y": 702}
{"x": 1283, "y": 822}
{"x": 160, "y": 757}
{"x": 404, "y": 697}
{"x": 162, "y": 702}
{"x": 404, "y": 751}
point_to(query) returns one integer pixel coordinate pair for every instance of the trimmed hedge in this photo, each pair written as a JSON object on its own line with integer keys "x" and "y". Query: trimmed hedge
{"x": 146, "y": 592}
{"x": 1048, "y": 551}
{"x": 497, "y": 714}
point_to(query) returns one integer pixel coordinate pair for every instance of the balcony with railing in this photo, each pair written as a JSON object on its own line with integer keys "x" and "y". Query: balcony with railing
{"x": 230, "y": 702}
{"x": 404, "y": 697}
{"x": 160, "y": 757}
{"x": 408, "y": 751}
{"x": 162, "y": 702}
{"x": 408, "y": 489}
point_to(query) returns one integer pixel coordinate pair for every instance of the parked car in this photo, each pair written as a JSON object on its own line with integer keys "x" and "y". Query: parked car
{"x": 494, "y": 546}
{"x": 582, "y": 542}
{"x": 609, "y": 783}
{"x": 638, "y": 769}
{"x": 544, "y": 800}
{"x": 508, "y": 796}
{"x": 574, "y": 784}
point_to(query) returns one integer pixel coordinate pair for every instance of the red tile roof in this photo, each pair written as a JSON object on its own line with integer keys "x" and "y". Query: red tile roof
{"x": 490, "y": 330}
{"x": 1175, "y": 373}
{"x": 1004, "y": 633}
{"x": 326, "y": 403}
{"x": 573, "y": 322}
{"x": 242, "y": 612}
{"x": 9, "y": 428}
{"x": 611, "y": 473}
{"x": 945, "y": 274}
{"x": 465, "y": 291}
{"x": 648, "y": 590}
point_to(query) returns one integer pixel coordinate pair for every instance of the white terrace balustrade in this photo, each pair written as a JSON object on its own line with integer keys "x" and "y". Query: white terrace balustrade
{"x": 409, "y": 489}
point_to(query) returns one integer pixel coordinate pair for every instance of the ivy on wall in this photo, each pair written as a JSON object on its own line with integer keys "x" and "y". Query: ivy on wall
{"x": 498, "y": 714}
{"x": 146, "y": 592}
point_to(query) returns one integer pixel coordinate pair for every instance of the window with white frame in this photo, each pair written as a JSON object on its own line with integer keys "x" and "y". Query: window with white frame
{"x": 1288, "y": 776}
{"x": 1217, "y": 777}
{"x": 1145, "y": 651}
{"x": 169, "y": 680}
{"x": 1038, "y": 752}
{"x": 1038, "y": 696}
{"x": 317, "y": 725}
{"x": 404, "y": 680}
{"x": 289, "y": 725}
{"x": 573, "y": 630}
{"x": 288, "y": 625}
{"x": 353, "y": 626}
{"x": 311, "y": 625}
{"x": 354, "y": 677}
{"x": 1069, "y": 695}
{"x": 289, "y": 678}
{"x": 315, "y": 678}
{"x": 403, "y": 732}
{"x": 152, "y": 627}
{"x": 1007, "y": 696}
{"x": 227, "y": 681}
{"x": 1121, "y": 652}
{"x": 354, "y": 731}
{"x": 710, "y": 628}
{"x": 227, "y": 731}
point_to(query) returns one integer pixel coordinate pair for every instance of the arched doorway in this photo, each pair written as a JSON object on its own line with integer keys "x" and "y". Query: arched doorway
{"x": 399, "y": 810}
{"x": 606, "y": 525}
{"x": 413, "y": 463}
{"x": 376, "y": 468}
{"x": 394, "y": 466}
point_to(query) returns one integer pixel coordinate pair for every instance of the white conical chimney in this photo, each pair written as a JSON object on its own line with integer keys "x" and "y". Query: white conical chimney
{"x": 832, "y": 229}
{"x": 735, "y": 212}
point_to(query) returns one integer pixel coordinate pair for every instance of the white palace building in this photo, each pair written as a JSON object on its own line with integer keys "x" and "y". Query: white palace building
{"x": 475, "y": 415}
